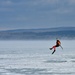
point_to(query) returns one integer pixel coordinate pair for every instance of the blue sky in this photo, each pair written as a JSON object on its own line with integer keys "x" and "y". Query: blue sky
{"x": 27, "y": 14}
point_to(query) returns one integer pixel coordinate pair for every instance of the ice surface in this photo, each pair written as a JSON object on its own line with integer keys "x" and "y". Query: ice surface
{"x": 35, "y": 58}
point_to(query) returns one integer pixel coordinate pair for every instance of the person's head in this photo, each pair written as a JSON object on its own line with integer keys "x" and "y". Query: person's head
{"x": 57, "y": 40}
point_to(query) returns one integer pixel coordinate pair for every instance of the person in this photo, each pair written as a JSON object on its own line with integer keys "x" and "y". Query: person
{"x": 58, "y": 43}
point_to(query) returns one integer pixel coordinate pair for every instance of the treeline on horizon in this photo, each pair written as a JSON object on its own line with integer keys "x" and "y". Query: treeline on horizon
{"x": 42, "y": 34}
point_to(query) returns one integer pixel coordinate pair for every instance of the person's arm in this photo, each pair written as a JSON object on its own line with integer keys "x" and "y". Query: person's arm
{"x": 61, "y": 46}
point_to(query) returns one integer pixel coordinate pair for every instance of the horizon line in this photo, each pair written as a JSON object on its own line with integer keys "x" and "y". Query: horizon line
{"x": 35, "y": 28}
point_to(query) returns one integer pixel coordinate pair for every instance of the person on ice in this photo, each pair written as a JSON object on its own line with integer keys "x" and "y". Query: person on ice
{"x": 58, "y": 43}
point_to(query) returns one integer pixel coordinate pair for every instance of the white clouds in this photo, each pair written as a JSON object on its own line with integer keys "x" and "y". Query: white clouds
{"x": 50, "y": 1}
{"x": 71, "y": 1}
{"x": 61, "y": 6}
{"x": 57, "y": 6}
{"x": 36, "y": 12}
{"x": 58, "y": 1}
{"x": 63, "y": 11}
{"x": 6, "y": 9}
{"x": 36, "y": 2}
{"x": 21, "y": 19}
{"x": 44, "y": 2}
{"x": 6, "y": 3}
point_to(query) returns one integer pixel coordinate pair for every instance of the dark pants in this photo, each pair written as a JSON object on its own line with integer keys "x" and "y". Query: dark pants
{"x": 55, "y": 48}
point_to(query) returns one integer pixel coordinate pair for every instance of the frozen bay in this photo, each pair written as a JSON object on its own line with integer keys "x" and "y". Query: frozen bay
{"x": 35, "y": 58}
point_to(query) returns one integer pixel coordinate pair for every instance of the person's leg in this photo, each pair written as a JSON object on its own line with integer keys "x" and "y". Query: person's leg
{"x": 53, "y": 47}
{"x": 53, "y": 51}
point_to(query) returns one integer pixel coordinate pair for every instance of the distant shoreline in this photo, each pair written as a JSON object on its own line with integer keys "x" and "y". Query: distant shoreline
{"x": 39, "y": 34}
